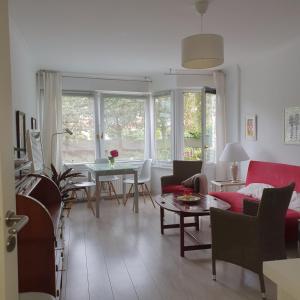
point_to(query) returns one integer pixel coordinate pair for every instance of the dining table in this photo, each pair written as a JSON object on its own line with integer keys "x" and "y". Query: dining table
{"x": 96, "y": 170}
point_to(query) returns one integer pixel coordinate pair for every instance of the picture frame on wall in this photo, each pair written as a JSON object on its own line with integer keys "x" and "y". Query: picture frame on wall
{"x": 33, "y": 123}
{"x": 21, "y": 133}
{"x": 292, "y": 125}
{"x": 251, "y": 127}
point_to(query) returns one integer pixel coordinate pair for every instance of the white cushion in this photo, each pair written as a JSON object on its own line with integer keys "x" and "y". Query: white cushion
{"x": 295, "y": 201}
{"x": 254, "y": 190}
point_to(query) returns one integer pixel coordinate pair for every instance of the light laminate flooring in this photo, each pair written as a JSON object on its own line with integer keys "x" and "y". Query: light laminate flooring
{"x": 123, "y": 256}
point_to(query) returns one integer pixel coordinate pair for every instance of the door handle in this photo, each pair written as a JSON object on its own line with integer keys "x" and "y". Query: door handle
{"x": 15, "y": 222}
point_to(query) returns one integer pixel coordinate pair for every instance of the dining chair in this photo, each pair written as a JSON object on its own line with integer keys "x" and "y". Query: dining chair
{"x": 107, "y": 181}
{"x": 143, "y": 178}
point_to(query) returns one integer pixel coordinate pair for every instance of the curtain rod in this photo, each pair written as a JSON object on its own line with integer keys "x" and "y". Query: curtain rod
{"x": 105, "y": 78}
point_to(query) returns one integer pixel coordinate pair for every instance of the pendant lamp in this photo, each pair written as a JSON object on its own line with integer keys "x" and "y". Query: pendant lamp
{"x": 202, "y": 51}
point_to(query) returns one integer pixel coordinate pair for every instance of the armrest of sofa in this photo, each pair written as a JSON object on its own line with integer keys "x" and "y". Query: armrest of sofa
{"x": 167, "y": 180}
{"x": 250, "y": 207}
{"x": 200, "y": 184}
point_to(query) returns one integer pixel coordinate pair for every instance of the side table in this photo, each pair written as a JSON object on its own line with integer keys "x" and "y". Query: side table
{"x": 227, "y": 183}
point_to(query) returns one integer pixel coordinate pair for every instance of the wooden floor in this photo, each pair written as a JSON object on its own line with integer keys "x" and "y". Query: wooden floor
{"x": 123, "y": 256}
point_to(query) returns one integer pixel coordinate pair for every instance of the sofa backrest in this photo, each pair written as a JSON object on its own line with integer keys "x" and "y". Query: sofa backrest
{"x": 275, "y": 174}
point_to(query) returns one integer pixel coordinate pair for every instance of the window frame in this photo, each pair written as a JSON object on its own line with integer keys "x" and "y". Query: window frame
{"x": 154, "y": 96}
{"x": 177, "y": 130}
{"x": 84, "y": 94}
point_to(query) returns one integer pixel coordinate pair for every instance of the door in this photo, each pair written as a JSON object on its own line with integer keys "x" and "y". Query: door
{"x": 8, "y": 260}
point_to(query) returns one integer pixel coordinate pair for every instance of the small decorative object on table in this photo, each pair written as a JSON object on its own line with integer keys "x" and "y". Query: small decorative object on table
{"x": 113, "y": 155}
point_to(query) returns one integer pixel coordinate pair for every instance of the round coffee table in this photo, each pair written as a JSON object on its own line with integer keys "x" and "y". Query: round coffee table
{"x": 172, "y": 202}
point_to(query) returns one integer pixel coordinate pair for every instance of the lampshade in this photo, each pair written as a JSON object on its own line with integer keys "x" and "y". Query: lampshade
{"x": 233, "y": 152}
{"x": 202, "y": 51}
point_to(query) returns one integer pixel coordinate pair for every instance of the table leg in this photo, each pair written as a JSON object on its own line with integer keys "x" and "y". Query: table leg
{"x": 181, "y": 235}
{"x": 197, "y": 222}
{"x": 124, "y": 189}
{"x": 98, "y": 195}
{"x": 136, "y": 193}
{"x": 162, "y": 217}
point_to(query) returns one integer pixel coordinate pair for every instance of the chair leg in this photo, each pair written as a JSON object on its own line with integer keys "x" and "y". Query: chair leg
{"x": 262, "y": 285}
{"x": 214, "y": 269}
{"x": 89, "y": 203}
{"x": 109, "y": 190}
{"x": 127, "y": 195}
{"x": 149, "y": 194}
{"x": 114, "y": 191}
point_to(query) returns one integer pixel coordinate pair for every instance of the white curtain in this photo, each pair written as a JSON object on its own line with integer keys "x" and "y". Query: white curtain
{"x": 219, "y": 78}
{"x": 50, "y": 107}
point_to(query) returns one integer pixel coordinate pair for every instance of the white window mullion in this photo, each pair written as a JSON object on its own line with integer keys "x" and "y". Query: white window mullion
{"x": 101, "y": 123}
{"x": 178, "y": 125}
{"x": 97, "y": 124}
{"x": 203, "y": 124}
{"x": 148, "y": 135}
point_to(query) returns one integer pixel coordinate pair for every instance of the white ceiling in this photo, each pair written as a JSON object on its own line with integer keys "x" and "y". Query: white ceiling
{"x": 142, "y": 37}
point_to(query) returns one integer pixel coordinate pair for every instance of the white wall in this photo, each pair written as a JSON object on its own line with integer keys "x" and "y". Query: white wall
{"x": 269, "y": 84}
{"x": 23, "y": 72}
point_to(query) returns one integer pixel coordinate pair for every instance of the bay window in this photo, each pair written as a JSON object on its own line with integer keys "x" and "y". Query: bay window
{"x": 183, "y": 126}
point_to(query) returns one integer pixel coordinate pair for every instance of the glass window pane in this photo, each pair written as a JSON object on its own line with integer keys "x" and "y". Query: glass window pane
{"x": 124, "y": 126}
{"x": 163, "y": 127}
{"x": 210, "y": 134}
{"x": 192, "y": 126}
{"x": 78, "y": 116}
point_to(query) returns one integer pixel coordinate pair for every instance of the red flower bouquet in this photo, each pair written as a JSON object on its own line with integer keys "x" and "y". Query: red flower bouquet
{"x": 113, "y": 155}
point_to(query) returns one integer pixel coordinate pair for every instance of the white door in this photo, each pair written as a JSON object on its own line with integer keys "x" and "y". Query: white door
{"x": 8, "y": 260}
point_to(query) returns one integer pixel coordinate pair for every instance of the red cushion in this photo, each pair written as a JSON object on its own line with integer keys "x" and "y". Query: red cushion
{"x": 176, "y": 189}
{"x": 275, "y": 174}
{"x": 234, "y": 199}
{"x": 236, "y": 202}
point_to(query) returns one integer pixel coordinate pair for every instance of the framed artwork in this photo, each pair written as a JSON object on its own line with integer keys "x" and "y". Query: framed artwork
{"x": 292, "y": 125}
{"x": 21, "y": 133}
{"x": 251, "y": 128}
{"x": 33, "y": 123}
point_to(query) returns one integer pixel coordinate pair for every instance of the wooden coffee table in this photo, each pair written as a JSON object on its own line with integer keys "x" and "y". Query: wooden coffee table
{"x": 183, "y": 209}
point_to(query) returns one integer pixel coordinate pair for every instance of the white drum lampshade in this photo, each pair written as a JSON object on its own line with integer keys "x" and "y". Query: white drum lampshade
{"x": 202, "y": 51}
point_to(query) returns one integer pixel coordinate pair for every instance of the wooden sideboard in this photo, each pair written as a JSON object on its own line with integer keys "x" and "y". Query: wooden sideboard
{"x": 40, "y": 243}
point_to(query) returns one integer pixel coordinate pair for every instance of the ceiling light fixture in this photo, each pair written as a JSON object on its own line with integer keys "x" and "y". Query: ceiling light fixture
{"x": 202, "y": 51}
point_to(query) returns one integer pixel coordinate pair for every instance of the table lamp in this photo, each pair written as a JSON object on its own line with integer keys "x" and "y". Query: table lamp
{"x": 234, "y": 152}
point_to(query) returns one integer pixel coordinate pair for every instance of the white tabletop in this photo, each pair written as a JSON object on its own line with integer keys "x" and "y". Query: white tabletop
{"x": 285, "y": 273}
{"x": 107, "y": 168}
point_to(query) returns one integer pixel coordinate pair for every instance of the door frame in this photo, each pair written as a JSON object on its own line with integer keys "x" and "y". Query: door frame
{"x": 8, "y": 261}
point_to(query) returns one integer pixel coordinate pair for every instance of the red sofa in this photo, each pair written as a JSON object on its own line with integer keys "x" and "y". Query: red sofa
{"x": 275, "y": 174}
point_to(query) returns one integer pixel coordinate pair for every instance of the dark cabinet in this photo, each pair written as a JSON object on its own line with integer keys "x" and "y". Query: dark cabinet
{"x": 40, "y": 243}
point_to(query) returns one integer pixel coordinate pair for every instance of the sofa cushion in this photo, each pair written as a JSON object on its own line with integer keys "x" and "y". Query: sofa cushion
{"x": 176, "y": 189}
{"x": 236, "y": 202}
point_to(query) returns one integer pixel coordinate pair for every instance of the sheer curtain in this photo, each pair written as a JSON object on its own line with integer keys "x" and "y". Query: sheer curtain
{"x": 50, "y": 107}
{"x": 219, "y": 78}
